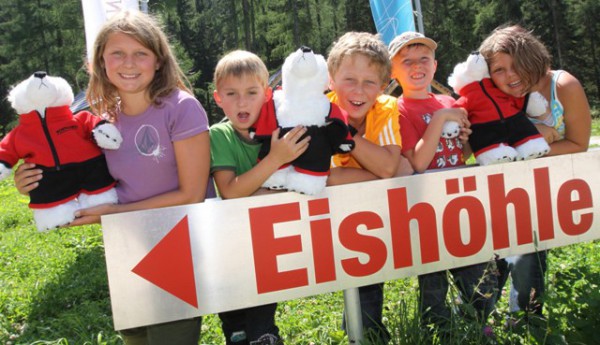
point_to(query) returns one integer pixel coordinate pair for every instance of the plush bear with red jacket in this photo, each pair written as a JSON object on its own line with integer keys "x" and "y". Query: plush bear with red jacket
{"x": 301, "y": 101}
{"x": 63, "y": 145}
{"x": 501, "y": 130}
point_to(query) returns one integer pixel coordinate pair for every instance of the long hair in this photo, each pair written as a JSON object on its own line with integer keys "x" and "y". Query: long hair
{"x": 101, "y": 94}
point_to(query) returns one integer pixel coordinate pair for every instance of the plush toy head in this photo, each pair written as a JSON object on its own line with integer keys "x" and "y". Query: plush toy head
{"x": 304, "y": 70}
{"x": 467, "y": 72}
{"x": 39, "y": 92}
{"x": 302, "y": 101}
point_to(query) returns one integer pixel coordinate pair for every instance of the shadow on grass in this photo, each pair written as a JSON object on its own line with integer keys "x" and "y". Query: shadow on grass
{"x": 75, "y": 307}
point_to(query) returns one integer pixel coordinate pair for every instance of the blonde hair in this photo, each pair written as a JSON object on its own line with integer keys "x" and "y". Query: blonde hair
{"x": 102, "y": 95}
{"x": 240, "y": 63}
{"x": 364, "y": 43}
{"x": 531, "y": 58}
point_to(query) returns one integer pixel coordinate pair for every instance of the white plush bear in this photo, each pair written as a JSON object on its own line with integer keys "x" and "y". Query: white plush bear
{"x": 302, "y": 101}
{"x": 63, "y": 145}
{"x": 501, "y": 130}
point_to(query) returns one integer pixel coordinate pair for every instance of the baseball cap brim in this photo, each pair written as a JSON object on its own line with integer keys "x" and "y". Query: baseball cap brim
{"x": 398, "y": 43}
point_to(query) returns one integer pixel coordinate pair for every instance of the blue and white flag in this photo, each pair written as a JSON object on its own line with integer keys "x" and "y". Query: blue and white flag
{"x": 392, "y": 17}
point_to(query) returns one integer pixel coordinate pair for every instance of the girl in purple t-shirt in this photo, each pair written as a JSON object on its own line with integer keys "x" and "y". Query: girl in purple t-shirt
{"x": 164, "y": 159}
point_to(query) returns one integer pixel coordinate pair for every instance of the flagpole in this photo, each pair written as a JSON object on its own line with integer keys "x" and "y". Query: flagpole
{"x": 144, "y": 5}
{"x": 419, "y": 15}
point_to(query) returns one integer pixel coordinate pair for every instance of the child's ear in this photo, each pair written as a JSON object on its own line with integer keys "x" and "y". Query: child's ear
{"x": 268, "y": 94}
{"x": 217, "y": 98}
{"x": 331, "y": 83}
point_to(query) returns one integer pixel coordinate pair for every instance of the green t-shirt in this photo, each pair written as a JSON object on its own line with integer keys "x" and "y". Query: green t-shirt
{"x": 230, "y": 151}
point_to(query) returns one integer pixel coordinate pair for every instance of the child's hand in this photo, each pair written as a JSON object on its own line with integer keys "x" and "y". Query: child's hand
{"x": 455, "y": 114}
{"x": 26, "y": 178}
{"x": 464, "y": 134}
{"x": 91, "y": 215}
{"x": 288, "y": 147}
{"x": 549, "y": 133}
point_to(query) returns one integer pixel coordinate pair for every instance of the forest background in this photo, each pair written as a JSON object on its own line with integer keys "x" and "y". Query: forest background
{"x": 49, "y": 35}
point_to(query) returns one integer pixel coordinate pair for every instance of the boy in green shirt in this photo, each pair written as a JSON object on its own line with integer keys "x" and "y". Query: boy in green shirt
{"x": 241, "y": 80}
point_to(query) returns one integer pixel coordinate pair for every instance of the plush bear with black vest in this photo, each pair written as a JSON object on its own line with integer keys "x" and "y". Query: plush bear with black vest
{"x": 65, "y": 146}
{"x": 501, "y": 130}
{"x": 302, "y": 101}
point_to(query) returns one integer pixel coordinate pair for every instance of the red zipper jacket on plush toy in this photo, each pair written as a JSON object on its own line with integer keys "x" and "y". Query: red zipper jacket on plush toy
{"x": 58, "y": 142}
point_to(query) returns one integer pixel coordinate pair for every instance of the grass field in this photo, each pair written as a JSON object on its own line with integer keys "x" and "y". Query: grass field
{"x": 54, "y": 290}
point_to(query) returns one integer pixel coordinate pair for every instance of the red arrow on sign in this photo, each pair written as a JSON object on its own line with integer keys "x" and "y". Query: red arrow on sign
{"x": 169, "y": 264}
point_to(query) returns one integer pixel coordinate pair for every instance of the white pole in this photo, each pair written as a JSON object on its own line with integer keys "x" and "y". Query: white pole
{"x": 144, "y": 5}
{"x": 419, "y": 15}
{"x": 353, "y": 314}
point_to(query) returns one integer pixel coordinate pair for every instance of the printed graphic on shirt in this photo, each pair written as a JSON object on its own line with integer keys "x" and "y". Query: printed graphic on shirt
{"x": 448, "y": 152}
{"x": 147, "y": 142}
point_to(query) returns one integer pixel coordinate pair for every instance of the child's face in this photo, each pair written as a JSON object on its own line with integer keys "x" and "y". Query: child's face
{"x": 129, "y": 65}
{"x": 241, "y": 99}
{"x": 357, "y": 83}
{"x": 505, "y": 77}
{"x": 413, "y": 67}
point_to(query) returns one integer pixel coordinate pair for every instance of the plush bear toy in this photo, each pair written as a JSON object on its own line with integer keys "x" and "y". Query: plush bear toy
{"x": 302, "y": 101}
{"x": 63, "y": 145}
{"x": 501, "y": 130}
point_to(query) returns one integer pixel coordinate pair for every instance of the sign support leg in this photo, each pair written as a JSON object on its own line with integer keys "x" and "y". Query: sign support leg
{"x": 354, "y": 326}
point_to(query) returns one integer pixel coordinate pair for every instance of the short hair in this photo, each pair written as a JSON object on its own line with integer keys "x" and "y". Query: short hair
{"x": 102, "y": 94}
{"x": 239, "y": 63}
{"x": 364, "y": 43}
{"x": 531, "y": 58}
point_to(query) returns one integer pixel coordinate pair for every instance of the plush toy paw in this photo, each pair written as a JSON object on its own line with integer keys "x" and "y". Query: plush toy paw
{"x": 4, "y": 171}
{"x": 450, "y": 130}
{"x": 537, "y": 105}
{"x": 55, "y": 217}
{"x": 501, "y": 154}
{"x": 278, "y": 180}
{"x": 305, "y": 183}
{"x": 107, "y": 136}
{"x": 90, "y": 200}
{"x": 533, "y": 148}
{"x": 346, "y": 147}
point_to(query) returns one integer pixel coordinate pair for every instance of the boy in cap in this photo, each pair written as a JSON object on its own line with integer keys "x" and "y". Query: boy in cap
{"x": 422, "y": 116}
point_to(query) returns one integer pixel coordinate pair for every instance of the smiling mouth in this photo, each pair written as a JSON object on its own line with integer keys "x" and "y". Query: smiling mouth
{"x": 128, "y": 76}
{"x": 356, "y": 103}
{"x": 515, "y": 84}
{"x": 418, "y": 76}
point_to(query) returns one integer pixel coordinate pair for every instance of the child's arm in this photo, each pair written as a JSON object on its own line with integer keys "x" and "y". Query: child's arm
{"x": 193, "y": 161}
{"x": 577, "y": 117}
{"x": 338, "y": 176}
{"x": 420, "y": 157}
{"x": 283, "y": 150}
{"x": 381, "y": 161}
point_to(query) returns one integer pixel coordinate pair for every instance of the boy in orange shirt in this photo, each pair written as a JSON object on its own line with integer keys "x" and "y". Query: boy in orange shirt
{"x": 359, "y": 70}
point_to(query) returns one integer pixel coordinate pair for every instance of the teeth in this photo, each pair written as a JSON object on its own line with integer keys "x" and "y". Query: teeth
{"x": 357, "y": 103}
{"x": 129, "y": 76}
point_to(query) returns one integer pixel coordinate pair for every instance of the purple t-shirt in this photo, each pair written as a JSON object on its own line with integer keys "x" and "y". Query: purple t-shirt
{"x": 145, "y": 165}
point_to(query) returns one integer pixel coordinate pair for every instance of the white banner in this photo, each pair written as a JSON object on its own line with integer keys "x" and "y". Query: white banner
{"x": 179, "y": 262}
{"x": 96, "y": 12}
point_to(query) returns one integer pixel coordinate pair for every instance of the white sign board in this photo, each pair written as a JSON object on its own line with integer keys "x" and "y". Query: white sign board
{"x": 179, "y": 262}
